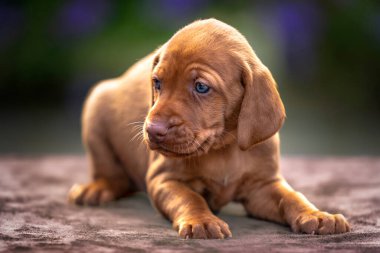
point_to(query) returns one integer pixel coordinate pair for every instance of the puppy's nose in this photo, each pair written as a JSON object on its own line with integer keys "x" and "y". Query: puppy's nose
{"x": 157, "y": 131}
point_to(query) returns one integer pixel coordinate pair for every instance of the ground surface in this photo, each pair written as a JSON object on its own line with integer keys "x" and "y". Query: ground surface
{"x": 34, "y": 215}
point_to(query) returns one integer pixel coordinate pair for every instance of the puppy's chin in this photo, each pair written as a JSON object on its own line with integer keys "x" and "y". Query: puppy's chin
{"x": 187, "y": 149}
{"x": 178, "y": 150}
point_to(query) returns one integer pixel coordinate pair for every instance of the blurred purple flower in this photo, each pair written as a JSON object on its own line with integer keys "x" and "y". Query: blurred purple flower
{"x": 299, "y": 26}
{"x": 81, "y": 17}
{"x": 11, "y": 24}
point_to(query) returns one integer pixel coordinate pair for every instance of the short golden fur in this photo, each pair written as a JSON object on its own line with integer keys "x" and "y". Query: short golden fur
{"x": 217, "y": 147}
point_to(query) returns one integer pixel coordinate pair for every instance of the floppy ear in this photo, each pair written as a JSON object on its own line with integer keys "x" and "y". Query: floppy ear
{"x": 262, "y": 112}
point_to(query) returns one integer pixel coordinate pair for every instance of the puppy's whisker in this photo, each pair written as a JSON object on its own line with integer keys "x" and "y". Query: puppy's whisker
{"x": 141, "y": 138}
{"x": 136, "y": 131}
{"x": 201, "y": 146}
{"x": 136, "y": 123}
{"x": 137, "y": 127}
{"x": 136, "y": 136}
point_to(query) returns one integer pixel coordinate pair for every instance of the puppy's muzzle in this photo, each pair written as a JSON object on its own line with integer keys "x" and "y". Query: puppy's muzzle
{"x": 157, "y": 131}
{"x": 169, "y": 138}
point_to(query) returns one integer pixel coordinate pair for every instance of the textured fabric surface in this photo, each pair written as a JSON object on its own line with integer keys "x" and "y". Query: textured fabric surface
{"x": 34, "y": 215}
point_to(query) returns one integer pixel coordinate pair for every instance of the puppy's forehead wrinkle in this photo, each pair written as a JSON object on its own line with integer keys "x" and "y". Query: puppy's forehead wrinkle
{"x": 160, "y": 70}
{"x": 204, "y": 69}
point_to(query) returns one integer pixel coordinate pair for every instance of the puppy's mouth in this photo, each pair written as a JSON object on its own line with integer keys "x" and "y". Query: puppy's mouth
{"x": 192, "y": 148}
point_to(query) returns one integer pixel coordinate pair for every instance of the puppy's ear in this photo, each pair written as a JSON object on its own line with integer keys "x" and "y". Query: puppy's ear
{"x": 262, "y": 112}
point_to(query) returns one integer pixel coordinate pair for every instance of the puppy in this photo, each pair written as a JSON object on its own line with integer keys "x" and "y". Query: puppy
{"x": 210, "y": 113}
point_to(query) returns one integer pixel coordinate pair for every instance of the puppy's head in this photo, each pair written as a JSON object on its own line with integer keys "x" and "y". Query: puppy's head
{"x": 210, "y": 89}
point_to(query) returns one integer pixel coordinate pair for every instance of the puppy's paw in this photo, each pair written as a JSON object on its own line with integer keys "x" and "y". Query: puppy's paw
{"x": 321, "y": 223}
{"x": 93, "y": 194}
{"x": 202, "y": 227}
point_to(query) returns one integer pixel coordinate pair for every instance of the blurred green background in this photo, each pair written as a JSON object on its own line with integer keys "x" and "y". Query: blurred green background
{"x": 323, "y": 54}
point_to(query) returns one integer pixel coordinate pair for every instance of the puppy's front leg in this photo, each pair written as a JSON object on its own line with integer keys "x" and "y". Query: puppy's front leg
{"x": 277, "y": 201}
{"x": 187, "y": 209}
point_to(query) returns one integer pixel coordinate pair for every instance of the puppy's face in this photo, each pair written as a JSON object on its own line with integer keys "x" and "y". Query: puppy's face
{"x": 197, "y": 90}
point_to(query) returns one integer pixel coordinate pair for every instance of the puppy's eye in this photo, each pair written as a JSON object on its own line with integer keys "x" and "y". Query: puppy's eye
{"x": 156, "y": 84}
{"x": 201, "y": 87}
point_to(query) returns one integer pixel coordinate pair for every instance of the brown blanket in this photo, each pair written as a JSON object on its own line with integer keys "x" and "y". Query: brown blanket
{"x": 34, "y": 215}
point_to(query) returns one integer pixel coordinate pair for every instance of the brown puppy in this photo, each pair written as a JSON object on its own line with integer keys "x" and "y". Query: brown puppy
{"x": 212, "y": 113}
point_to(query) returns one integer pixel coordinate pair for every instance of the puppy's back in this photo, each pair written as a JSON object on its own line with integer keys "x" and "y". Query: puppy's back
{"x": 114, "y": 111}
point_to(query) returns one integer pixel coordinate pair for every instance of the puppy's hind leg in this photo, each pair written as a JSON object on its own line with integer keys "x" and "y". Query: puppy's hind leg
{"x": 109, "y": 179}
